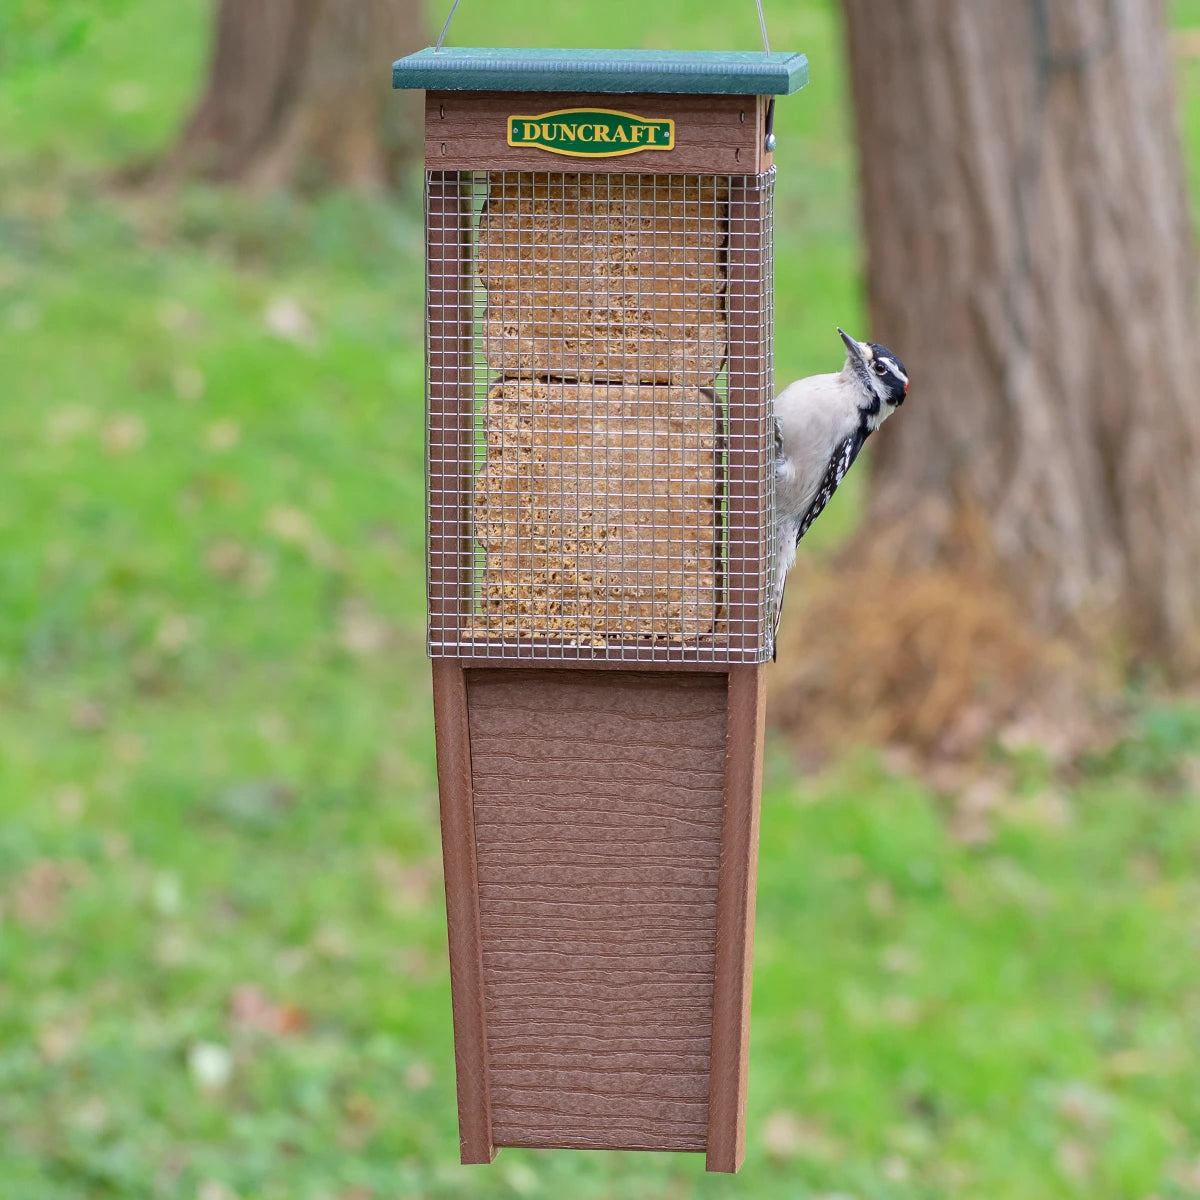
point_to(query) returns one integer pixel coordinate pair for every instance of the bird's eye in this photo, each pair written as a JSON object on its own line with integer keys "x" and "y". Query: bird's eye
{"x": 880, "y": 369}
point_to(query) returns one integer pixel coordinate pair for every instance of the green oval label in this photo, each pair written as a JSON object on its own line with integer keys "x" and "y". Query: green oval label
{"x": 591, "y": 133}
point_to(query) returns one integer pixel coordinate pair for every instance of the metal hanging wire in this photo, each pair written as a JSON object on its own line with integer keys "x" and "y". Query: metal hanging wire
{"x": 446, "y": 28}
{"x": 762, "y": 24}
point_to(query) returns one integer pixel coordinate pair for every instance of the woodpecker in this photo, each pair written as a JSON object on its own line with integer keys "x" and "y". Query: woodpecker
{"x": 821, "y": 424}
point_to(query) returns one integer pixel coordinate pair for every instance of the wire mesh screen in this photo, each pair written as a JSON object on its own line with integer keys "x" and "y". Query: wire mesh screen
{"x": 600, "y": 458}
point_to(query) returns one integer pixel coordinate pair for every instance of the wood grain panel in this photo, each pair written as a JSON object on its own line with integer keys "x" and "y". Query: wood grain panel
{"x": 462, "y": 911}
{"x": 598, "y": 813}
{"x": 714, "y": 135}
{"x": 735, "y": 918}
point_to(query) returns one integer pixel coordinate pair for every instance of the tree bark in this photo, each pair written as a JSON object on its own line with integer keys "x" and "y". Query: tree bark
{"x": 1030, "y": 256}
{"x": 298, "y": 94}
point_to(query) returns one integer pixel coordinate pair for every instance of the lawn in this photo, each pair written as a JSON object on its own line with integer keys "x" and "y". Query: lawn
{"x": 222, "y": 947}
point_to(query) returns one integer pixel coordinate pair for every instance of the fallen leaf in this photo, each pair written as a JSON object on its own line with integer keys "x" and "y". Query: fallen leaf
{"x": 210, "y": 1065}
{"x": 1126, "y": 1064}
{"x": 211, "y": 1189}
{"x": 272, "y": 727}
{"x": 92, "y": 1115}
{"x": 410, "y": 886}
{"x": 1190, "y": 771}
{"x": 359, "y": 1107}
{"x": 223, "y": 435}
{"x": 250, "y": 1009}
{"x": 287, "y": 320}
{"x": 972, "y": 823}
{"x": 256, "y": 803}
{"x": 900, "y": 960}
{"x": 901, "y": 1010}
{"x": 116, "y": 844}
{"x": 70, "y": 800}
{"x": 226, "y": 559}
{"x": 168, "y": 894}
{"x": 124, "y": 434}
{"x": 1075, "y": 1160}
{"x": 290, "y": 525}
{"x": 359, "y": 631}
{"x": 787, "y": 1136}
{"x": 521, "y": 1177}
{"x": 1186, "y": 43}
{"x": 188, "y": 382}
{"x": 173, "y": 633}
{"x": 1049, "y": 810}
{"x": 1187, "y": 1176}
{"x": 129, "y": 748}
{"x": 294, "y": 527}
{"x": 881, "y": 900}
{"x": 88, "y": 717}
{"x": 412, "y": 963}
{"x": 330, "y": 941}
{"x": 39, "y": 892}
{"x": 1085, "y": 1107}
{"x": 173, "y": 949}
{"x": 173, "y": 316}
{"x": 24, "y": 316}
{"x": 418, "y": 1077}
{"x": 128, "y": 96}
{"x": 57, "y": 1040}
{"x": 68, "y": 423}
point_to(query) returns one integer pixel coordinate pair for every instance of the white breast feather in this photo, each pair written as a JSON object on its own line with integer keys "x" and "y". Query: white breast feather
{"x": 815, "y": 415}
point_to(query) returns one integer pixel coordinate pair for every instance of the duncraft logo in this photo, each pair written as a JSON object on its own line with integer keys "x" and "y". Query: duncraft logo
{"x": 591, "y": 133}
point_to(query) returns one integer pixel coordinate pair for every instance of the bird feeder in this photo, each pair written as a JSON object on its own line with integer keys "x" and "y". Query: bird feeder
{"x": 600, "y": 554}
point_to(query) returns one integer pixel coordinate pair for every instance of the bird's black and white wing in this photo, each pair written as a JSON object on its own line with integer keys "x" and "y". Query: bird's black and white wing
{"x": 840, "y": 462}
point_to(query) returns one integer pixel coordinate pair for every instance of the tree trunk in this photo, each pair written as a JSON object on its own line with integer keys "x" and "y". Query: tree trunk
{"x": 299, "y": 93}
{"x": 1030, "y": 257}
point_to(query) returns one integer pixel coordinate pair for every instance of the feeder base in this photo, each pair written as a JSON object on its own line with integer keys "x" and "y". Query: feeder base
{"x": 600, "y": 840}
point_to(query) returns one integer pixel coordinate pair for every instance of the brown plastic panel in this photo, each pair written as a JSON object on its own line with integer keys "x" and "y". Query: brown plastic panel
{"x": 714, "y": 135}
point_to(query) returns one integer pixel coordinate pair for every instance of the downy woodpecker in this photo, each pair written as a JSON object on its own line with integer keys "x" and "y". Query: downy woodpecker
{"x": 821, "y": 424}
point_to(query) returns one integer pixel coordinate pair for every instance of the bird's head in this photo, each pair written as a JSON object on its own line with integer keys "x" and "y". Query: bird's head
{"x": 881, "y": 378}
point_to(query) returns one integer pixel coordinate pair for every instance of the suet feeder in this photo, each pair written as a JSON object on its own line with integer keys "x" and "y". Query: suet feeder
{"x": 600, "y": 548}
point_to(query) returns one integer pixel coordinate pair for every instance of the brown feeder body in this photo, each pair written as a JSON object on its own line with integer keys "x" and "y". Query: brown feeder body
{"x": 600, "y": 549}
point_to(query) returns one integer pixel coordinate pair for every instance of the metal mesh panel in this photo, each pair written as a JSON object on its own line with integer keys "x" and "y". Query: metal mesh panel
{"x": 600, "y": 459}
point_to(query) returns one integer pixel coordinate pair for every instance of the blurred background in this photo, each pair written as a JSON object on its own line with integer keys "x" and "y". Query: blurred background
{"x": 222, "y": 948}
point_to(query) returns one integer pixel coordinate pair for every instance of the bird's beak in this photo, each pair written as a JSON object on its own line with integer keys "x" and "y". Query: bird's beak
{"x": 856, "y": 349}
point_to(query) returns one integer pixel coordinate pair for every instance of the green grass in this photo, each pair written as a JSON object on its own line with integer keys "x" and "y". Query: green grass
{"x": 222, "y": 959}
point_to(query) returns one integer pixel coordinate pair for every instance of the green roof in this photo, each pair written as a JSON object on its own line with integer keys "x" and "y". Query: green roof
{"x": 727, "y": 72}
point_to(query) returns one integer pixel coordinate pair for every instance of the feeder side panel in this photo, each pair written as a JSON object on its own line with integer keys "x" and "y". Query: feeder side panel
{"x": 462, "y": 911}
{"x": 714, "y": 135}
{"x": 450, "y": 333}
{"x": 598, "y": 800}
{"x": 751, "y": 544}
{"x": 735, "y": 918}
